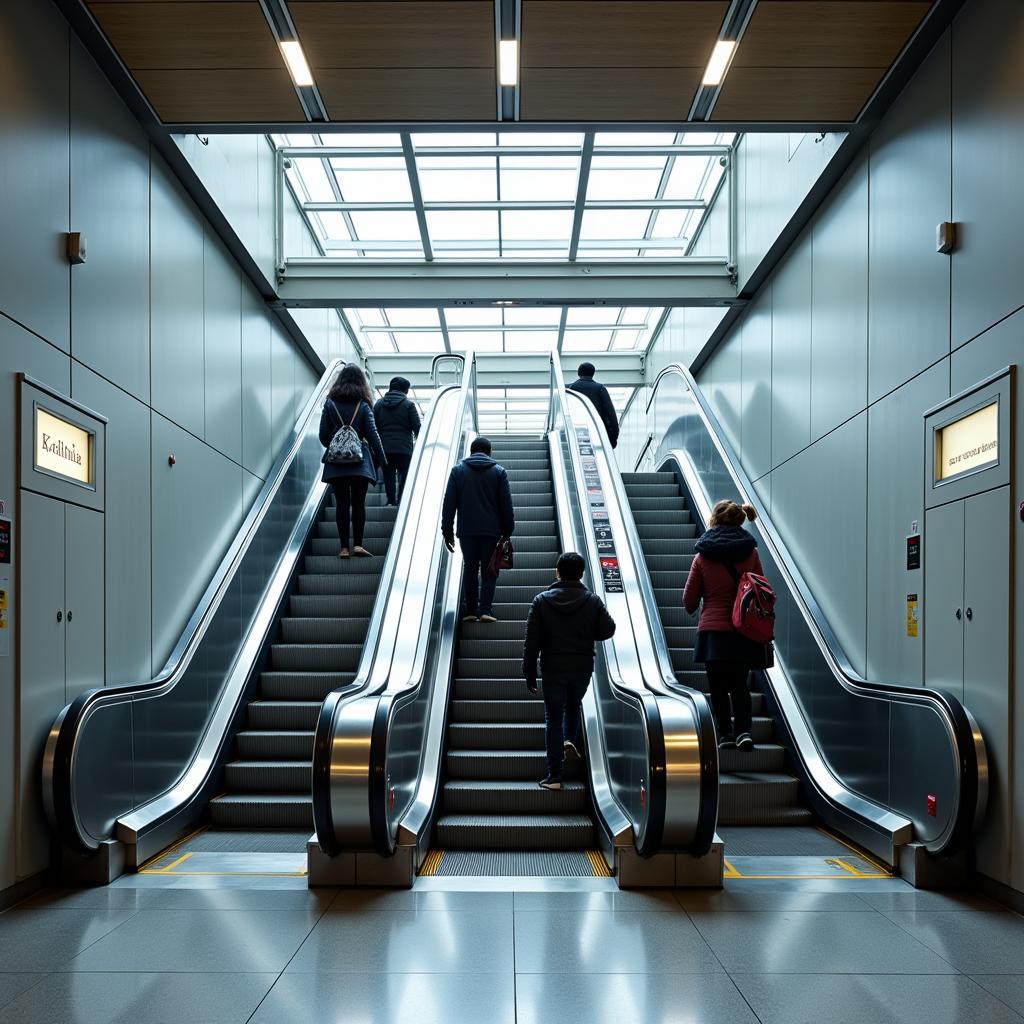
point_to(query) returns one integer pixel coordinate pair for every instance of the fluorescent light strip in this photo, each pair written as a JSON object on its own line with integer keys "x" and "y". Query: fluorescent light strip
{"x": 508, "y": 62}
{"x": 298, "y": 68}
{"x": 721, "y": 57}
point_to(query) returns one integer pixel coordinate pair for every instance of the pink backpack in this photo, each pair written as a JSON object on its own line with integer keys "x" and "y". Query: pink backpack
{"x": 753, "y": 610}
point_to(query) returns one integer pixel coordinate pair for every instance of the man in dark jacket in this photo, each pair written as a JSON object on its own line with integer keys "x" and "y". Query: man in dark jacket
{"x": 598, "y": 395}
{"x": 563, "y": 624}
{"x": 398, "y": 423}
{"x": 479, "y": 493}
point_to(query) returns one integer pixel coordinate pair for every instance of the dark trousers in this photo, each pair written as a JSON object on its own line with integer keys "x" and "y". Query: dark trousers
{"x": 563, "y": 714}
{"x": 728, "y": 681}
{"x": 350, "y": 497}
{"x": 395, "y": 474}
{"x": 477, "y": 585}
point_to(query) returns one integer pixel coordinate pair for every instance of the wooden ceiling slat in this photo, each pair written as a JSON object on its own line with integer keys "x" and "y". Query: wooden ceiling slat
{"x": 619, "y": 33}
{"x": 175, "y": 36}
{"x": 225, "y": 96}
{"x": 813, "y": 95}
{"x": 607, "y": 94}
{"x": 403, "y": 34}
{"x": 411, "y": 94}
{"x": 828, "y": 33}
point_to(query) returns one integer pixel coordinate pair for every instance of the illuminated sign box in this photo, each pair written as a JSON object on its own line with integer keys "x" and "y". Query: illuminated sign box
{"x": 967, "y": 444}
{"x": 64, "y": 449}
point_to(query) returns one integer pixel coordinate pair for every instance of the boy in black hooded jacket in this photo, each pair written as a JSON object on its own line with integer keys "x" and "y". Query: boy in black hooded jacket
{"x": 562, "y": 627}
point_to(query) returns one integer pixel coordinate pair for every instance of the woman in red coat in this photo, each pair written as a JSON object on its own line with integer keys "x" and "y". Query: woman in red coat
{"x": 724, "y": 553}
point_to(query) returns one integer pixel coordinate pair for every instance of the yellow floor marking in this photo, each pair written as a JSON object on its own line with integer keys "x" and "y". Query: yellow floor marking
{"x": 598, "y": 864}
{"x": 860, "y": 853}
{"x": 730, "y": 870}
{"x": 839, "y": 862}
{"x": 172, "y": 848}
{"x": 166, "y": 870}
{"x": 432, "y": 863}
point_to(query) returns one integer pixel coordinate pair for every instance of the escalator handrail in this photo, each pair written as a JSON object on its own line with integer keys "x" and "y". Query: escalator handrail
{"x": 63, "y": 738}
{"x": 662, "y": 681}
{"x": 970, "y": 745}
{"x": 323, "y": 744}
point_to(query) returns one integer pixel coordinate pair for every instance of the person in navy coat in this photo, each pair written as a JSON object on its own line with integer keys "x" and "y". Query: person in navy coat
{"x": 350, "y": 402}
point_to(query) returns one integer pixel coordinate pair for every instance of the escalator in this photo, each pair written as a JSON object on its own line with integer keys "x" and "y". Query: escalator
{"x": 756, "y": 787}
{"x": 495, "y": 758}
{"x": 317, "y": 649}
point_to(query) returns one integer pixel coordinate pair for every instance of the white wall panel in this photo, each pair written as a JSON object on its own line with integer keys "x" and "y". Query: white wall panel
{"x": 257, "y": 385}
{"x": 839, "y": 318}
{"x": 129, "y": 542}
{"x": 988, "y": 155}
{"x": 197, "y": 506}
{"x": 756, "y": 400}
{"x": 34, "y": 183}
{"x": 791, "y": 353}
{"x": 819, "y": 504}
{"x": 178, "y": 382}
{"x": 908, "y": 312}
{"x": 222, "y": 361}
{"x": 895, "y": 500}
{"x": 283, "y": 389}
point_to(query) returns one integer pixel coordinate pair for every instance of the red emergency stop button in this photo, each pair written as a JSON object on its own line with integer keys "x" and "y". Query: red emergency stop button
{"x": 933, "y": 805}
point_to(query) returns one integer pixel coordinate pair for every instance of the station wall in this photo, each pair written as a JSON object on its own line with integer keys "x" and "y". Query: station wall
{"x": 863, "y": 326}
{"x": 158, "y": 330}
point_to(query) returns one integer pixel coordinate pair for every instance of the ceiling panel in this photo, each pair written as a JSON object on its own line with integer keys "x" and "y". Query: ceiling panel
{"x": 175, "y": 36}
{"x": 607, "y": 94}
{"x": 828, "y": 33}
{"x": 408, "y": 34}
{"x": 416, "y": 94}
{"x": 816, "y": 95}
{"x": 203, "y": 96}
{"x": 619, "y": 33}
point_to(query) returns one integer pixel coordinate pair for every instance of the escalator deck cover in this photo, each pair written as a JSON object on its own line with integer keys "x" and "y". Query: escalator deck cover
{"x": 578, "y": 864}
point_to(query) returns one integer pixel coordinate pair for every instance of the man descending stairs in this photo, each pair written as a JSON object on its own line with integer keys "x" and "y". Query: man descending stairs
{"x": 318, "y": 648}
{"x": 495, "y": 755}
{"x": 755, "y": 787}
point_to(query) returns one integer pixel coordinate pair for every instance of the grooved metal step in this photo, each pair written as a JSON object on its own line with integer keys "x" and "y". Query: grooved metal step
{"x": 515, "y": 831}
{"x": 496, "y": 736}
{"x": 284, "y": 714}
{"x": 311, "y": 630}
{"x": 302, "y": 685}
{"x": 257, "y": 811}
{"x": 529, "y": 711}
{"x": 268, "y": 776}
{"x": 329, "y": 657}
{"x": 510, "y": 797}
{"x": 283, "y": 744}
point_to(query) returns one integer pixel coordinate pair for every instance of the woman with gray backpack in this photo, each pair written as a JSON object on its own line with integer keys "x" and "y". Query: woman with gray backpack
{"x": 349, "y": 435}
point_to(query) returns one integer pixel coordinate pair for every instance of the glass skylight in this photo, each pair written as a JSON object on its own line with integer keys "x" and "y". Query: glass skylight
{"x": 505, "y": 196}
{"x": 510, "y": 329}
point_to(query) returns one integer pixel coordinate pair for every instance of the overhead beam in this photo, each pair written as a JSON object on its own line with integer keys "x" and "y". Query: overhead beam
{"x": 320, "y": 283}
{"x": 506, "y": 204}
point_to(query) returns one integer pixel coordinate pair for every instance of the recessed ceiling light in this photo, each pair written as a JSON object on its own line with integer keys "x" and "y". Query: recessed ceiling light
{"x": 298, "y": 68}
{"x": 508, "y": 62}
{"x": 506, "y": 302}
{"x": 721, "y": 56}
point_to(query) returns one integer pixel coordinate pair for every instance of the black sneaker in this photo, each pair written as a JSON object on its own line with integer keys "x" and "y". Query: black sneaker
{"x": 745, "y": 742}
{"x": 726, "y": 742}
{"x": 569, "y": 751}
{"x": 551, "y": 782}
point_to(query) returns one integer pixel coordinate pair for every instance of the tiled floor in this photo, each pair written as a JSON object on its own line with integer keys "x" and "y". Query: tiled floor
{"x": 222, "y": 949}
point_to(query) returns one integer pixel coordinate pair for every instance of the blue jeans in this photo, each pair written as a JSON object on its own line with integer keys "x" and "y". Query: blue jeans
{"x": 477, "y": 585}
{"x": 563, "y": 715}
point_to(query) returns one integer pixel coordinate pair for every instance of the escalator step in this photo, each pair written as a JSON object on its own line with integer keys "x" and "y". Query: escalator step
{"x": 765, "y": 757}
{"x": 505, "y": 611}
{"x": 309, "y": 630}
{"x": 302, "y": 685}
{"x": 517, "y": 594}
{"x": 680, "y": 636}
{"x": 526, "y": 465}
{"x": 668, "y": 581}
{"x": 495, "y": 736}
{"x": 259, "y": 811}
{"x": 530, "y": 513}
{"x": 523, "y": 502}
{"x": 530, "y": 492}
{"x": 541, "y": 543}
{"x": 651, "y": 526}
{"x": 675, "y": 507}
{"x": 275, "y": 744}
{"x": 284, "y": 714}
{"x": 490, "y": 668}
{"x": 515, "y": 832}
{"x": 329, "y": 657}
{"x": 541, "y": 527}
{"x": 676, "y": 562}
{"x": 355, "y": 606}
{"x": 345, "y": 566}
{"x": 666, "y": 490}
{"x": 486, "y": 632}
{"x": 538, "y": 576}
{"x": 532, "y": 476}
{"x": 696, "y": 679}
{"x": 531, "y": 710}
{"x": 475, "y": 645}
{"x": 670, "y": 546}
{"x": 377, "y": 532}
{"x": 648, "y": 478}
{"x": 338, "y": 584}
{"x": 486, "y": 691}
{"x": 268, "y": 776}
{"x": 377, "y": 515}
{"x": 490, "y": 764}
{"x": 672, "y": 612}
{"x": 542, "y": 560}
{"x": 526, "y": 797}
{"x": 759, "y": 798}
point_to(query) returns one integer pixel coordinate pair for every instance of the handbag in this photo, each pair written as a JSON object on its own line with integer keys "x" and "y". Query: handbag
{"x": 345, "y": 448}
{"x": 501, "y": 557}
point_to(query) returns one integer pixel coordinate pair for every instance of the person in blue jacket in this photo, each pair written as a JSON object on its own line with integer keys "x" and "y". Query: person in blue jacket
{"x": 350, "y": 402}
{"x": 479, "y": 494}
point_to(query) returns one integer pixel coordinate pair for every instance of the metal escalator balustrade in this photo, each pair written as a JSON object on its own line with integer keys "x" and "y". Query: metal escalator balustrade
{"x": 491, "y": 798}
{"x": 867, "y": 752}
{"x": 755, "y": 786}
{"x": 319, "y": 644}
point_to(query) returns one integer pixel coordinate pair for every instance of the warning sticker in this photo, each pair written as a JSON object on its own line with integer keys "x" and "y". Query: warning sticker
{"x": 911, "y": 614}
